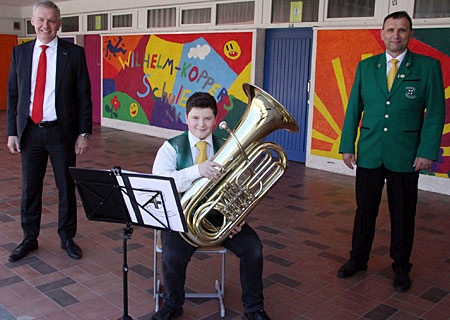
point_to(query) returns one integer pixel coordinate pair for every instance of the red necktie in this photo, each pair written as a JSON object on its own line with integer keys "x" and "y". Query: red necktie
{"x": 39, "y": 89}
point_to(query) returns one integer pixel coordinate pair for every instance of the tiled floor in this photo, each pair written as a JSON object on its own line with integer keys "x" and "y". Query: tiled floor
{"x": 305, "y": 223}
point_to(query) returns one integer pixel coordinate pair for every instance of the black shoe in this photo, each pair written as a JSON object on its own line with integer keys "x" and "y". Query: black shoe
{"x": 168, "y": 313}
{"x": 350, "y": 268}
{"x": 402, "y": 281}
{"x": 73, "y": 250}
{"x": 256, "y": 315}
{"x": 22, "y": 250}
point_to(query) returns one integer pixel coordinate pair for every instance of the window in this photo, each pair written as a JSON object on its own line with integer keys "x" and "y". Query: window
{"x": 431, "y": 9}
{"x": 70, "y": 24}
{"x": 161, "y": 18}
{"x": 235, "y": 12}
{"x": 30, "y": 28}
{"x": 16, "y": 26}
{"x": 122, "y": 21}
{"x": 290, "y": 11}
{"x": 97, "y": 22}
{"x": 196, "y": 16}
{"x": 350, "y": 8}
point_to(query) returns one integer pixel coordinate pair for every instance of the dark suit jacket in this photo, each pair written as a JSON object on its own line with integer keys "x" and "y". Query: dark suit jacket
{"x": 394, "y": 129}
{"x": 73, "y": 90}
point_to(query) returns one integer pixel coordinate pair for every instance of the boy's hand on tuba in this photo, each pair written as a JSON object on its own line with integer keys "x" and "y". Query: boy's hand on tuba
{"x": 211, "y": 170}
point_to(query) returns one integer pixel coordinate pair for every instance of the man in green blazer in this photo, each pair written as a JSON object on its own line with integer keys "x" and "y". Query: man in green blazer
{"x": 400, "y": 135}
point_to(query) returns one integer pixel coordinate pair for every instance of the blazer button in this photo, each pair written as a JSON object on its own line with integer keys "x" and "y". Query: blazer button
{"x": 386, "y": 116}
{"x": 385, "y": 129}
{"x": 388, "y": 102}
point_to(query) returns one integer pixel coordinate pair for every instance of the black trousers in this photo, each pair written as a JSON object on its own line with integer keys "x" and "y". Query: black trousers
{"x": 246, "y": 245}
{"x": 402, "y": 200}
{"x": 37, "y": 145}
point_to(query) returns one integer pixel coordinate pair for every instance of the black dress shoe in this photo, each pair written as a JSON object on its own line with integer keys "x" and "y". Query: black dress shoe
{"x": 168, "y": 313}
{"x": 22, "y": 250}
{"x": 402, "y": 281}
{"x": 350, "y": 268}
{"x": 256, "y": 315}
{"x": 73, "y": 250}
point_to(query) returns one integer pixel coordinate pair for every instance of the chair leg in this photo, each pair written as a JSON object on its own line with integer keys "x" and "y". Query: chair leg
{"x": 219, "y": 286}
{"x": 158, "y": 286}
{"x": 223, "y": 274}
{"x": 220, "y": 297}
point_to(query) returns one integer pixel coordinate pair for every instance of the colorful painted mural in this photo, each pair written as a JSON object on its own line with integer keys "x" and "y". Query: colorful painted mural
{"x": 336, "y": 66}
{"x": 147, "y": 79}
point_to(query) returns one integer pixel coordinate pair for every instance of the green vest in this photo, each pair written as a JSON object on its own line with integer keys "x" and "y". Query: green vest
{"x": 183, "y": 149}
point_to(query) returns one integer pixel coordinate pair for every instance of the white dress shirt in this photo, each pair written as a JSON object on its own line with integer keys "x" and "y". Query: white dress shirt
{"x": 389, "y": 57}
{"x": 166, "y": 162}
{"x": 50, "y": 81}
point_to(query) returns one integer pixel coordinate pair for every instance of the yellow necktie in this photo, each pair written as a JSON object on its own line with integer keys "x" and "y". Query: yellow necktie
{"x": 201, "y": 145}
{"x": 392, "y": 73}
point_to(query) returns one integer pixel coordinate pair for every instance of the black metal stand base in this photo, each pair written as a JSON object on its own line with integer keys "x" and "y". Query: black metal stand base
{"x": 126, "y": 235}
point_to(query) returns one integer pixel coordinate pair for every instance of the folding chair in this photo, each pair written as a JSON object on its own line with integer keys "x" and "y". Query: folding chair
{"x": 219, "y": 287}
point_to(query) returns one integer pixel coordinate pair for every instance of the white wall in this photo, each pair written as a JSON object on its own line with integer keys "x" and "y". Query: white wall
{"x": 7, "y": 12}
{"x": 86, "y": 6}
{"x": 8, "y": 16}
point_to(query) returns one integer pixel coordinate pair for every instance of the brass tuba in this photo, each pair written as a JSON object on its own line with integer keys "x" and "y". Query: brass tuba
{"x": 250, "y": 168}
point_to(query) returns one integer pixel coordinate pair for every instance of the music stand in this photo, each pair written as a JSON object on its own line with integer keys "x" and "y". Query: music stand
{"x": 130, "y": 198}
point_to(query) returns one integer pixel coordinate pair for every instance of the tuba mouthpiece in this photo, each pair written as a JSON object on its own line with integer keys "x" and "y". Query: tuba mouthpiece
{"x": 223, "y": 125}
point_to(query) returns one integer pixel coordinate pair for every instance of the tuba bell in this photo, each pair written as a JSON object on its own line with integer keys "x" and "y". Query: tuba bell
{"x": 250, "y": 168}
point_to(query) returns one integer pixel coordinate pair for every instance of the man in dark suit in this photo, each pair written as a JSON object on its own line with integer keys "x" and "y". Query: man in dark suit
{"x": 59, "y": 131}
{"x": 400, "y": 135}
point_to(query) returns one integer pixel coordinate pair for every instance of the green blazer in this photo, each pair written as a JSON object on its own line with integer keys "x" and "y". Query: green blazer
{"x": 394, "y": 129}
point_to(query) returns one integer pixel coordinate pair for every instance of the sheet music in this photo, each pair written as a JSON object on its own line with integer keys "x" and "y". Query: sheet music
{"x": 155, "y": 197}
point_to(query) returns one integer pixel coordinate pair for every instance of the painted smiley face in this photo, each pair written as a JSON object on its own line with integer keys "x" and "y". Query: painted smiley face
{"x": 134, "y": 109}
{"x": 232, "y": 50}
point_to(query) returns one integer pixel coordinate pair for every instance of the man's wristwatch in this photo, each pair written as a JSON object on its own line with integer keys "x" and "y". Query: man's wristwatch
{"x": 85, "y": 135}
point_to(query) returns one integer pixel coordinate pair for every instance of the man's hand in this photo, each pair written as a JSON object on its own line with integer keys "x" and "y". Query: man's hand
{"x": 236, "y": 230}
{"x": 81, "y": 145}
{"x": 211, "y": 170}
{"x": 13, "y": 144}
{"x": 349, "y": 159}
{"x": 422, "y": 164}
